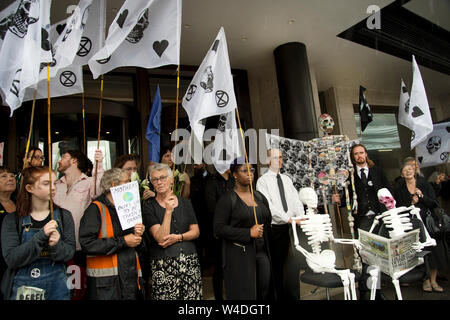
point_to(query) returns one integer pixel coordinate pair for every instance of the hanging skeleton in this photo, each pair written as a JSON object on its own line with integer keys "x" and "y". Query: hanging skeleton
{"x": 333, "y": 153}
{"x": 398, "y": 222}
{"x": 319, "y": 229}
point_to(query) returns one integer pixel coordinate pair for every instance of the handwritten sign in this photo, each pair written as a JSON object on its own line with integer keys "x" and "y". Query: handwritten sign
{"x": 128, "y": 204}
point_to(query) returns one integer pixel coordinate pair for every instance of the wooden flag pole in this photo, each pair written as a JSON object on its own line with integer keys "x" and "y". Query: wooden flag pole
{"x": 176, "y": 117}
{"x": 99, "y": 128}
{"x": 49, "y": 142}
{"x": 84, "y": 122}
{"x": 248, "y": 165}
{"x": 31, "y": 127}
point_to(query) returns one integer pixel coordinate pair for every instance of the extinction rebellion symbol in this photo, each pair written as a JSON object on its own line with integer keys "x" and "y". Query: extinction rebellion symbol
{"x": 85, "y": 47}
{"x": 67, "y": 78}
{"x": 191, "y": 91}
{"x": 221, "y": 98}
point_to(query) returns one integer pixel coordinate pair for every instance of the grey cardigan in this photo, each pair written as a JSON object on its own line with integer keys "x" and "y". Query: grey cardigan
{"x": 17, "y": 254}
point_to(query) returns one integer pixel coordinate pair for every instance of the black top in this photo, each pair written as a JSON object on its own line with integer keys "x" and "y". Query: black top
{"x": 233, "y": 221}
{"x": 3, "y": 265}
{"x": 182, "y": 217}
{"x": 216, "y": 187}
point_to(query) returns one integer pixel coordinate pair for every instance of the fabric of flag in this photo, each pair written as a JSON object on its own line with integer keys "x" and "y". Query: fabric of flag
{"x": 6, "y": 15}
{"x": 93, "y": 35}
{"x": 211, "y": 91}
{"x": 404, "y": 117}
{"x": 65, "y": 81}
{"x": 153, "y": 132}
{"x": 365, "y": 113}
{"x": 435, "y": 149}
{"x": 70, "y": 32}
{"x": 26, "y": 48}
{"x": 226, "y": 145}
{"x": 419, "y": 110}
{"x": 144, "y": 33}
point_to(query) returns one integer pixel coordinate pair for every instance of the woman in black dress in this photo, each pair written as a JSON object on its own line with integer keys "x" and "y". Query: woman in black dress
{"x": 247, "y": 264}
{"x": 171, "y": 220}
{"x": 418, "y": 192}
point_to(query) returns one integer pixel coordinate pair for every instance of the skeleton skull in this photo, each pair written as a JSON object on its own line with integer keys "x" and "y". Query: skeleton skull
{"x": 308, "y": 197}
{"x": 434, "y": 144}
{"x": 326, "y": 123}
{"x": 26, "y": 14}
{"x": 137, "y": 33}
{"x": 386, "y": 198}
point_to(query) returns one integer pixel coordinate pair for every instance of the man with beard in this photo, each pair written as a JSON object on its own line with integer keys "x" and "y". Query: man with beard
{"x": 368, "y": 180}
{"x": 75, "y": 191}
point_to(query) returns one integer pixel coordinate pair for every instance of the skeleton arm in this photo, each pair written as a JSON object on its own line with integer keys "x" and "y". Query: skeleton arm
{"x": 429, "y": 241}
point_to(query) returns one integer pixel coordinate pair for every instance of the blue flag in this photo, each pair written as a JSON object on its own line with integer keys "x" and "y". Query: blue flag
{"x": 153, "y": 132}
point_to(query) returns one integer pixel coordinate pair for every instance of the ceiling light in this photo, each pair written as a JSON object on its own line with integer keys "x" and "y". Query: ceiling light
{"x": 56, "y": 132}
{"x": 291, "y": 21}
{"x": 187, "y": 26}
{"x": 244, "y": 38}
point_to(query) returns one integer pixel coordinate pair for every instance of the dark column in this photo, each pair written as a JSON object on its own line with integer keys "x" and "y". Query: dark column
{"x": 296, "y": 96}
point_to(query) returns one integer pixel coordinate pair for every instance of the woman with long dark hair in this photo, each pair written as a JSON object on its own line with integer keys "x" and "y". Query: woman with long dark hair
{"x": 36, "y": 245}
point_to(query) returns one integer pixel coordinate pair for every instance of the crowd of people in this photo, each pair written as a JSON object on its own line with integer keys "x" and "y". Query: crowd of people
{"x": 226, "y": 224}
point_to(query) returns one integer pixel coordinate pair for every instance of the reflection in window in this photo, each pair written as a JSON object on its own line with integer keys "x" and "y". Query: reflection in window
{"x": 108, "y": 149}
{"x": 381, "y": 133}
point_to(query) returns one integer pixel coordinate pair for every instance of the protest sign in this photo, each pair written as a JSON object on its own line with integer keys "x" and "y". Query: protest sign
{"x": 128, "y": 204}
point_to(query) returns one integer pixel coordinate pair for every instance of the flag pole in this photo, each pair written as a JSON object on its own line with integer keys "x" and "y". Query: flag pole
{"x": 31, "y": 126}
{"x": 248, "y": 165}
{"x": 84, "y": 122}
{"x": 176, "y": 117}
{"x": 98, "y": 136}
{"x": 49, "y": 142}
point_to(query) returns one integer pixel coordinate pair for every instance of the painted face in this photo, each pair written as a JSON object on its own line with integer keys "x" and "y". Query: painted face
{"x": 388, "y": 202}
{"x": 326, "y": 123}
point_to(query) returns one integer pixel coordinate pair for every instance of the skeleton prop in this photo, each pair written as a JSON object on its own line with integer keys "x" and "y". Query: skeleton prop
{"x": 397, "y": 220}
{"x": 318, "y": 228}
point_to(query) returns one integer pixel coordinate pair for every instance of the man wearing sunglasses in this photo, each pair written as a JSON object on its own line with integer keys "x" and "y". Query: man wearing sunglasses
{"x": 284, "y": 204}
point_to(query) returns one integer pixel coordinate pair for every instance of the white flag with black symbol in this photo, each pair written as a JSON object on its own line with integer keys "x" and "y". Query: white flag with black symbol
{"x": 64, "y": 81}
{"x": 404, "y": 117}
{"x": 70, "y": 33}
{"x": 435, "y": 149}
{"x": 226, "y": 146}
{"x": 211, "y": 91}
{"x": 419, "y": 110}
{"x": 6, "y": 16}
{"x": 25, "y": 50}
{"x": 144, "y": 33}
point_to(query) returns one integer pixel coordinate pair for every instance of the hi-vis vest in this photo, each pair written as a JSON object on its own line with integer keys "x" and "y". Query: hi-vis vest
{"x": 106, "y": 266}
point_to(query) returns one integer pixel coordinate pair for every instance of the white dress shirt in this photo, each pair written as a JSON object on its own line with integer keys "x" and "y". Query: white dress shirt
{"x": 267, "y": 184}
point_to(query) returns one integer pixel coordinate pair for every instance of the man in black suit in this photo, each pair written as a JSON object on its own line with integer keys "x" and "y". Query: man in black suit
{"x": 368, "y": 180}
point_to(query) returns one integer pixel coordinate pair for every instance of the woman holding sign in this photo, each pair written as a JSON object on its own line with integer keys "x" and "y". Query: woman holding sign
{"x": 174, "y": 263}
{"x": 112, "y": 265}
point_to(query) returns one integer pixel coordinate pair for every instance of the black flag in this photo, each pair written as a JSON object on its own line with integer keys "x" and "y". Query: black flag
{"x": 365, "y": 113}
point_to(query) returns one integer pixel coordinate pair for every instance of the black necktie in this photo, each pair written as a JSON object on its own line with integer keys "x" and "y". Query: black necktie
{"x": 282, "y": 195}
{"x": 363, "y": 176}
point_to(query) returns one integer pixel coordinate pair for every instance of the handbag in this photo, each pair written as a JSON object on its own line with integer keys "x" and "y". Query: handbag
{"x": 437, "y": 229}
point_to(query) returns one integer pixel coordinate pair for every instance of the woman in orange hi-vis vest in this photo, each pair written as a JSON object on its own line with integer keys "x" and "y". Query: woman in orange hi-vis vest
{"x": 112, "y": 265}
